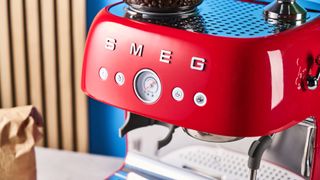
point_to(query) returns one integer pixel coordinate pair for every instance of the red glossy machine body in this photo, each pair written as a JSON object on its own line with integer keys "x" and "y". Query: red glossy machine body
{"x": 254, "y": 86}
{"x": 238, "y": 78}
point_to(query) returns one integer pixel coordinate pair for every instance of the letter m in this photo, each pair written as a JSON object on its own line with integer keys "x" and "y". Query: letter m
{"x": 137, "y": 51}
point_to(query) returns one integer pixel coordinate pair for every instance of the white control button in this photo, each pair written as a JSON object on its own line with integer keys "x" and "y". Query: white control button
{"x": 177, "y": 94}
{"x": 103, "y": 73}
{"x": 120, "y": 79}
{"x": 200, "y": 99}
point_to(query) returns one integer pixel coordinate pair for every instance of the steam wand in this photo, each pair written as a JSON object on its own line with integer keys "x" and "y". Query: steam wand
{"x": 255, "y": 153}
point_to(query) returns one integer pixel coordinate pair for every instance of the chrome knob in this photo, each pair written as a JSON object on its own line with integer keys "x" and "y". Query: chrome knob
{"x": 285, "y": 11}
{"x": 313, "y": 81}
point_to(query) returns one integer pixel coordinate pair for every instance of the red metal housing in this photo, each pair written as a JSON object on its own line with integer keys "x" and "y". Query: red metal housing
{"x": 254, "y": 86}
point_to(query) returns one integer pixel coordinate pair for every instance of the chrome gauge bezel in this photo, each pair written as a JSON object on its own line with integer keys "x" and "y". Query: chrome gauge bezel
{"x": 135, "y": 85}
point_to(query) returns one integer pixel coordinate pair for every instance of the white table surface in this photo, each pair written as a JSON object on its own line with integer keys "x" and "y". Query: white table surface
{"x": 64, "y": 165}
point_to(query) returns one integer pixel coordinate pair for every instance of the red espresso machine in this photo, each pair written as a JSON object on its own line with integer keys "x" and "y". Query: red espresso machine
{"x": 218, "y": 70}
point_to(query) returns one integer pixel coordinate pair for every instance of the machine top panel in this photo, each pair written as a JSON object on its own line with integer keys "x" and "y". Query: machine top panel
{"x": 228, "y": 18}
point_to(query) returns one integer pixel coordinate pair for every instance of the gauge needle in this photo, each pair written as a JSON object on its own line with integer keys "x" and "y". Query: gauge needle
{"x": 150, "y": 85}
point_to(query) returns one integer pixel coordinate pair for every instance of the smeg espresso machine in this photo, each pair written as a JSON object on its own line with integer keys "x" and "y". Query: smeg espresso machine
{"x": 238, "y": 76}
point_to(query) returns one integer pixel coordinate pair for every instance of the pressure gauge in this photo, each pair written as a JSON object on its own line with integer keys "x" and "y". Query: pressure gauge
{"x": 147, "y": 86}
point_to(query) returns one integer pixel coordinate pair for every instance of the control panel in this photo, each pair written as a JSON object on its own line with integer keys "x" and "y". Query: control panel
{"x": 147, "y": 87}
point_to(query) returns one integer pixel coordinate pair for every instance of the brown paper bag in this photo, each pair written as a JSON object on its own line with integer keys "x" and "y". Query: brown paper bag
{"x": 20, "y": 129}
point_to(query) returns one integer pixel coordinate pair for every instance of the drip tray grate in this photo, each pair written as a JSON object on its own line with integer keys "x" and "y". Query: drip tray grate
{"x": 224, "y": 164}
{"x": 230, "y": 18}
{"x": 235, "y": 18}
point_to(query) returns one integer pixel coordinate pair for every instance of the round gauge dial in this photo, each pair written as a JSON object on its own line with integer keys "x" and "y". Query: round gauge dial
{"x": 147, "y": 86}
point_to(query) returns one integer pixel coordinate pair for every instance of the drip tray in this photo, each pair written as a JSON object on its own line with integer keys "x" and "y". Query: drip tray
{"x": 224, "y": 164}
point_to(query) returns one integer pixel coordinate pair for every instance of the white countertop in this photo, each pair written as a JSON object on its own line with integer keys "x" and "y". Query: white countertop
{"x": 64, "y": 165}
